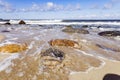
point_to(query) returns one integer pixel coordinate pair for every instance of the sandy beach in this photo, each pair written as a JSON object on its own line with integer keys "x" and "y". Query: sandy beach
{"x": 97, "y": 74}
{"x": 57, "y": 53}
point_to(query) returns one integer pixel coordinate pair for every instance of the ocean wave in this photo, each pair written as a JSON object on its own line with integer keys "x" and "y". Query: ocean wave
{"x": 68, "y": 22}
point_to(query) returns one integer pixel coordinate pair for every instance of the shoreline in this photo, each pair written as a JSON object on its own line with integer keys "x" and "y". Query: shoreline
{"x": 97, "y": 73}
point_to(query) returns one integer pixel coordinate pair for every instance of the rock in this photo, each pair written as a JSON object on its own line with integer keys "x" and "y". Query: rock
{"x": 22, "y": 22}
{"x": 85, "y": 26}
{"x": 52, "y": 57}
{"x": 5, "y": 31}
{"x": 69, "y": 26}
{"x": 108, "y": 48}
{"x": 98, "y": 26}
{"x": 69, "y": 29}
{"x": 109, "y": 33}
{"x": 7, "y": 23}
{"x": 64, "y": 42}
{"x": 55, "y": 53}
{"x": 111, "y": 77}
{"x": 13, "y": 48}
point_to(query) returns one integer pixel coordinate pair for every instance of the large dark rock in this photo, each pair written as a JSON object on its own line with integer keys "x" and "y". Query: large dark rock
{"x": 22, "y": 22}
{"x": 69, "y": 29}
{"x": 7, "y": 23}
{"x": 55, "y": 53}
{"x": 109, "y": 33}
{"x": 85, "y": 26}
{"x": 111, "y": 77}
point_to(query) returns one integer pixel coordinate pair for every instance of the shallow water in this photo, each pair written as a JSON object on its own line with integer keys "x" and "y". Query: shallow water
{"x": 28, "y": 64}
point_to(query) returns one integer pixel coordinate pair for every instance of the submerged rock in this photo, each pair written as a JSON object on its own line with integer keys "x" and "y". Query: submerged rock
{"x": 64, "y": 42}
{"x": 108, "y": 48}
{"x": 5, "y": 31}
{"x": 111, "y": 77}
{"x": 12, "y": 48}
{"x": 85, "y": 26}
{"x": 109, "y": 33}
{"x": 22, "y": 22}
{"x": 69, "y": 29}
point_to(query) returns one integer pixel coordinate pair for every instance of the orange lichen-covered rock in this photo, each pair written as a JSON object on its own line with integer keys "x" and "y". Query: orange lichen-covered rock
{"x": 13, "y": 48}
{"x": 64, "y": 42}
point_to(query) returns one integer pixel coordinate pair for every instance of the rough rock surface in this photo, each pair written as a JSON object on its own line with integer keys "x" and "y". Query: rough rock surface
{"x": 22, "y": 22}
{"x": 64, "y": 42}
{"x": 111, "y": 77}
{"x": 109, "y": 33}
{"x": 12, "y": 48}
{"x": 55, "y": 53}
{"x": 69, "y": 29}
{"x": 7, "y": 23}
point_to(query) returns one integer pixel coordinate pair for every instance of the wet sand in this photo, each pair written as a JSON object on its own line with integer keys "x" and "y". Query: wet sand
{"x": 98, "y": 73}
{"x": 79, "y": 59}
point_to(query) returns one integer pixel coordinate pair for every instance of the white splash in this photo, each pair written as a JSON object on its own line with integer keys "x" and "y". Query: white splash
{"x": 7, "y": 62}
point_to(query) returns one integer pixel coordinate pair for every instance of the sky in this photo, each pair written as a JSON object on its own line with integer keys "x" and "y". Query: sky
{"x": 60, "y": 9}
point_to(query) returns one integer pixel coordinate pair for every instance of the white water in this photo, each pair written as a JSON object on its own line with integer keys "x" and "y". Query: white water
{"x": 59, "y": 22}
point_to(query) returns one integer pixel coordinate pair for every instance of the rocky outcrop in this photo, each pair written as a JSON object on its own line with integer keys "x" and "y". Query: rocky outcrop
{"x": 5, "y": 31}
{"x": 64, "y": 42}
{"x": 85, "y": 26}
{"x": 52, "y": 57}
{"x": 69, "y": 29}
{"x": 109, "y": 48}
{"x": 52, "y": 52}
{"x": 13, "y": 48}
{"x": 7, "y": 23}
{"x": 111, "y": 77}
{"x": 109, "y": 33}
{"x": 22, "y": 22}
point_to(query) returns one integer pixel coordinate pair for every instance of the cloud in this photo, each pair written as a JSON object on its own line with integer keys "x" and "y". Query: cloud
{"x": 108, "y": 6}
{"x": 115, "y": 0}
{"x": 94, "y": 6}
{"x": 49, "y": 6}
{"x": 6, "y": 7}
{"x": 111, "y": 4}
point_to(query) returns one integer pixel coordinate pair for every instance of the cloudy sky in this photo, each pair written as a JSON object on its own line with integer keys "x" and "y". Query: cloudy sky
{"x": 60, "y": 9}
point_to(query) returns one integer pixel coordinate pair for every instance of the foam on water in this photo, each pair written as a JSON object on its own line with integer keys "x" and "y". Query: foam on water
{"x": 61, "y": 22}
{"x": 7, "y": 62}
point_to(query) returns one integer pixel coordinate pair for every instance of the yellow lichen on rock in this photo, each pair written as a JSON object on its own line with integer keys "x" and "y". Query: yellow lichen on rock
{"x": 13, "y": 48}
{"x": 64, "y": 42}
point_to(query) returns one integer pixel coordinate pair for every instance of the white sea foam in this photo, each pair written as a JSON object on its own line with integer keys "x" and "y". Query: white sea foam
{"x": 7, "y": 62}
{"x": 59, "y": 22}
